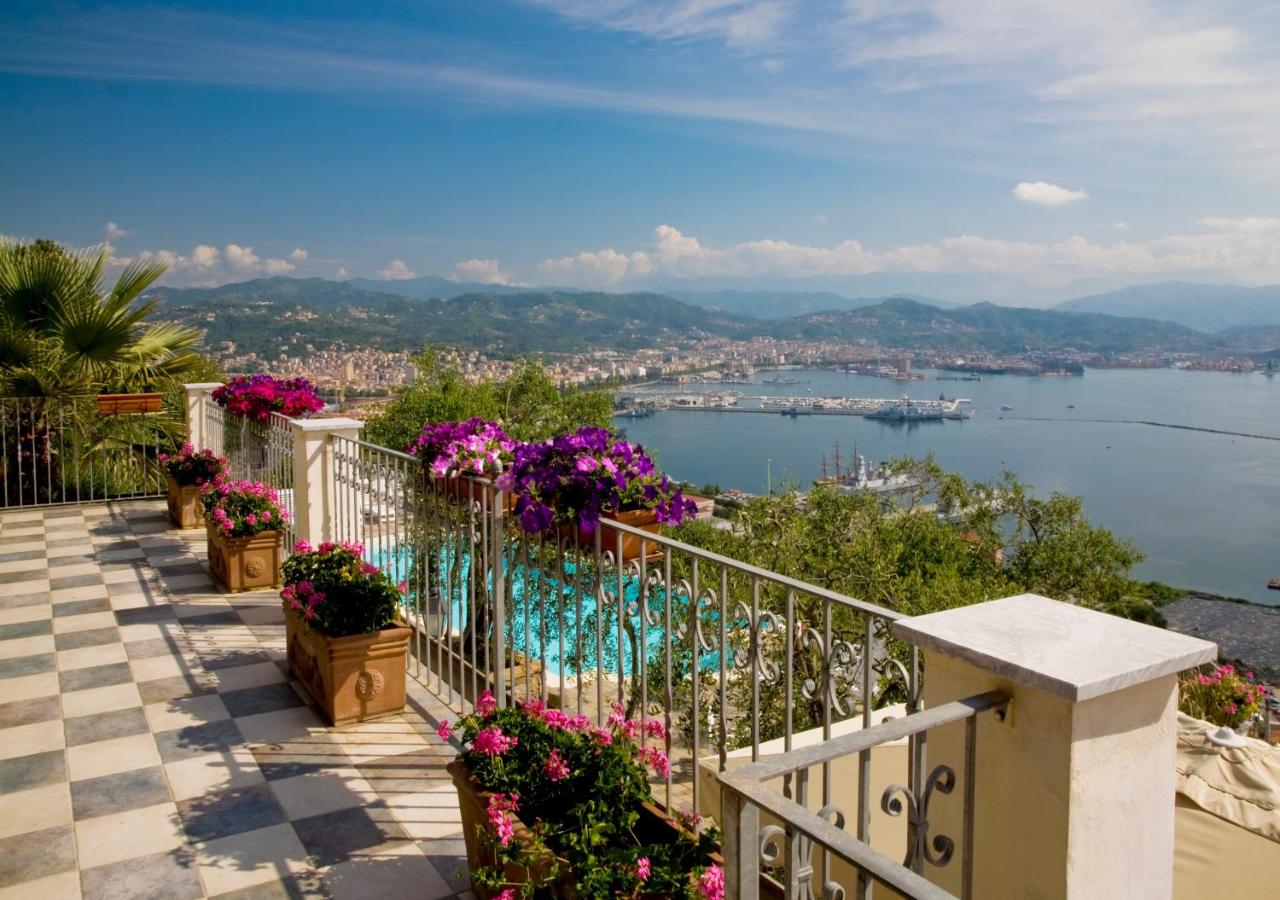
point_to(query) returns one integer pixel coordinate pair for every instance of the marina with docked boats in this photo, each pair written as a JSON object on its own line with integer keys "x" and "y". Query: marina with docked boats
{"x": 902, "y": 409}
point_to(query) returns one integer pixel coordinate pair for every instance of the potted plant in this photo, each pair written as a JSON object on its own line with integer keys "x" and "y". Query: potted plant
{"x": 345, "y": 643}
{"x": 258, "y": 396}
{"x": 130, "y": 404}
{"x": 244, "y": 522}
{"x": 575, "y": 479}
{"x": 456, "y": 453}
{"x": 554, "y": 805}
{"x": 1223, "y": 696}
{"x": 186, "y": 474}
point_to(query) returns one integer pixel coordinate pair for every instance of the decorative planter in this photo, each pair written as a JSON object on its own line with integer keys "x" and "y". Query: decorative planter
{"x": 654, "y": 826}
{"x": 644, "y": 519}
{"x": 350, "y": 678}
{"x": 129, "y": 404}
{"x": 468, "y": 490}
{"x": 185, "y": 508}
{"x": 247, "y": 563}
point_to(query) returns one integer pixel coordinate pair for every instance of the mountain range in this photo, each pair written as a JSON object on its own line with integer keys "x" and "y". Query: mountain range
{"x": 271, "y": 314}
{"x": 1206, "y": 307}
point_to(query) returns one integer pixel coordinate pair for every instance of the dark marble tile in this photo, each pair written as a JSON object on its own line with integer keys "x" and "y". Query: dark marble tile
{"x": 61, "y": 582}
{"x": 36, "y": 854}
{"x": 406, "y": 774}
{"x": 29, "y": 712}
{"x": 336, "y": 837}
{"x": 62, "y": 513}
{"x": 92, "y": 637}
{"x": 180, "y": 567}
{"x": 449, "y": 857}
{"x": 116, "y": 793}
{"x": 94, "y": 677}
{"x": 145, "y": 615}
{"x": 15, "y": 630}
{"x": 39, "y": 769}
{"x": 294, "y": 888}
{"x": 212, "y": 620}
{"x": 225, "y": 812}
{"x": 20, "y": 555}
{"x": 81, "y": 607}
{"x": 267, "y": 698}
{"x": 15, "y": 601}
{"x": 231, "y": 658}
{"x": 208, "y": 737}
{"x": 165, "y": 646}
{"x": 105, "y": 726}
{"x": 160, "y": 876}
{"x": 285, "y": 759}
{"x": 19, "y": 577}
{"x": 176, "y": 687}
{"x": 60, "y": 540}
{"x": 27, "y": 665}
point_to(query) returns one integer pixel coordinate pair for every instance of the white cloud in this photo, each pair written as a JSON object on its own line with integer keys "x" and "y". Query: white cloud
{"x": 115, "y": 232}
{"x": 396, "y": 270}
{"x": 744, "y": 24}
{"x": 341, "y": 272}
{"x": 241, "y": 257}
{"x": 488, "y": 271}
{"x": 1233, "y": 253}
{"x": 1046, "y": 194}
{"x": 278, "y": 266}
{"x": 1247, "y": 223}
{"x": 299, "y": 255}
{"x": 204, "y": 256}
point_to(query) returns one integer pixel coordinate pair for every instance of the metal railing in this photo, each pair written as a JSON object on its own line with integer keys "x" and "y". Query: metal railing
{"x": 809, "y": 848}
{"x": 65, "y": 450}
{"x": 256, "y": 451}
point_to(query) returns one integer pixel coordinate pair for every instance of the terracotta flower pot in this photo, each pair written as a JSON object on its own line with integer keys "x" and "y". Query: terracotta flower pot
{"x": 185, "y": 508}
{"x": 246, "y": 563}
{"x": 468, "y": 490}
{"x": 350, "y": 678}
{"x": 644, "y": 519}
{"x": 129, "y": 404}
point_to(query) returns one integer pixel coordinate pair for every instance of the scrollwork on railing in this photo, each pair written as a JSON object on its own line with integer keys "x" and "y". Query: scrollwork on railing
{"x": 838, "y": 679}
{"x": 939, "y": 850}
{"x": 755, "y": 628}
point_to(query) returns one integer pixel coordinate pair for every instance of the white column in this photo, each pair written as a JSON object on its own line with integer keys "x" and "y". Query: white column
{"x": 1074, "y": 790}
{"x": 314, "y": 483}
{"x": 198, "y": 398}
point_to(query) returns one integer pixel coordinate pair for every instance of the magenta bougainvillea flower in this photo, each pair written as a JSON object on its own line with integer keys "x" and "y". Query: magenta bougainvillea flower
{"x": 258, "y": 396}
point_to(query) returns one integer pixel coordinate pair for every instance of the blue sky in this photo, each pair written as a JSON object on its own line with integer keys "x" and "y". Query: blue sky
{"x": 1025, "y": 147}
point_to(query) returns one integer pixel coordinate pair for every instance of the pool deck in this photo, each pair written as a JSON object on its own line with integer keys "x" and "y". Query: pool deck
{"x": 153, "y": 745}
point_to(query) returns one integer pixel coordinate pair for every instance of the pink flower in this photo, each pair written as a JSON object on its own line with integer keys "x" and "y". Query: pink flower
{"x": 486, "y": 704}
{"x": 655, "y": 729}
{"x": 403, "y": 587}
{"x": 369, "y": 569}
{"x": 616, "y": 718}
{"x": 492, "y": 742}
{"x": 444, "y": 730}
{"x": 506, "y": 894}
{"x": 642, "y": 868}
{"x": 500, "y": 808}
{"x": 302, "y": 547}
{"x": 712, "y": 883}
{"x": 555, "y": 768}
{"x": 603, "y": 737}
{"x": 656, "y": 759}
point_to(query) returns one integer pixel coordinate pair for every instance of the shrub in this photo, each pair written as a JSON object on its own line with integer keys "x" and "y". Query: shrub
{"x": 258, "y": 396}
{"x": 582, "y": 787}
{"x": 1222, "y": 696}
{"x": 242, "y": 508}
{"x": 189, "y": 467}
{"x": 336, "y": 592}
{"x": 576, "y": 478}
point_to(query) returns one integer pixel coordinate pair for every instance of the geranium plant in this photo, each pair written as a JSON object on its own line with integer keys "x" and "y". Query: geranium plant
{"x": 473, "y": 447}
{"x": 242, "y": 508}
{"x": 258, "y": 396}
{"x": 576, "y": 478}
{"x": 581, "y": 790}
{"x": 191, "y": 467}
{"x": 337, "y": 592}
{"x": 1222, "y": 695}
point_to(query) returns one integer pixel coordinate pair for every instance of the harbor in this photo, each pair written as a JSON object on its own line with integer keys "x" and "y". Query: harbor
{"x": 902, "y": 409}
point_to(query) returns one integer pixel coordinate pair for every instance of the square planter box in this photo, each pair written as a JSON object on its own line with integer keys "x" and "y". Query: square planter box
{"x": 129, "y": 404}
{"x": 644, "y": 519}
{"x": 350, "y": 678}
{"x": 245, "y": 564}
{"x": 185, "y": 508}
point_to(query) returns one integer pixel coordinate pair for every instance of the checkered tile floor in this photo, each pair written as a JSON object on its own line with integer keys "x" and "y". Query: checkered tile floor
{"x": 152, "y": 744}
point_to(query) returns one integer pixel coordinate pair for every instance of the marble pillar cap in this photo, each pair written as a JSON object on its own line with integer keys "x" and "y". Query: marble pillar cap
{"x": 1066, "y": 650}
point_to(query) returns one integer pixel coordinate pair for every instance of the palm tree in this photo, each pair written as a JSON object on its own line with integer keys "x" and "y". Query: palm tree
{"x": 65, "y": 336}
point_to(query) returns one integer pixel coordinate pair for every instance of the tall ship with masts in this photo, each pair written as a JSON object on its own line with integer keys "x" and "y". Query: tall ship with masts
{"x": 862, "y": 475}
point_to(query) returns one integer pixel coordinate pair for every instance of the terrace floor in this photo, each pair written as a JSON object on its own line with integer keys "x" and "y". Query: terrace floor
{"x": 152, "y": 744}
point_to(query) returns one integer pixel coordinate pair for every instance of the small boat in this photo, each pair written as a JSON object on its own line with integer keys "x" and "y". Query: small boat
{"x": 1274, "y": 584}
{"x": 1006, "y": 407}
{"x": 1071, "y": 406}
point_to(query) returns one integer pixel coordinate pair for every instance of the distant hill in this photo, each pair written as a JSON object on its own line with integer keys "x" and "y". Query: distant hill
{"x": 1251, "y": 338}
{"x": 781, "y": 304}
{"x": 318, "y": 292}
{"x": 985, "y": 326}
{"x": 429, "y": 286}
{"x": 1207, "y": 307}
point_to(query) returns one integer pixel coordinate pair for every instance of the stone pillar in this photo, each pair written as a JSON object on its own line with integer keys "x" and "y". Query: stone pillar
{"x": 1074, "y": 789}
{"x": 199, "y": 396}
{"x": 315, "y": 486}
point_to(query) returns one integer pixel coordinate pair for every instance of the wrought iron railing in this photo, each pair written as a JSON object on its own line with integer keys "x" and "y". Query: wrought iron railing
{"x": 67, "y": 450}
{"x": 256, "y": 450}
{"x": 812, "y": 854}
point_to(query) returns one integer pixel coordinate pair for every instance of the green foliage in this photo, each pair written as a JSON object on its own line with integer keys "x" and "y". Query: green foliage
{"x": 337, "y": 592}
{"x": 1221, "y": 695}
{"x": 528, "y": 404}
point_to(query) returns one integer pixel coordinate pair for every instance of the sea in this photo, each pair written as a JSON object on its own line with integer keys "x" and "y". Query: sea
{"x": 1204, "y": 506}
